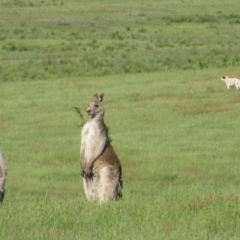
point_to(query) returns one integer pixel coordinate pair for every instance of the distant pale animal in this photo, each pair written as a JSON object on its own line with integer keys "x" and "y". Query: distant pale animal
{"x": 231, "y": 82}
{"x": 101, "y": 168}
{"x": 3, "y": 177}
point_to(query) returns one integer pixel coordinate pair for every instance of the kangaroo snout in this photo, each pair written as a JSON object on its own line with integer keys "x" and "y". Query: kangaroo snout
{"x": 88, "y": 110}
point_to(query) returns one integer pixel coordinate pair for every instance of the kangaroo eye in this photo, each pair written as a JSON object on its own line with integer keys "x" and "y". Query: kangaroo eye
{"x": 96, "y": 105}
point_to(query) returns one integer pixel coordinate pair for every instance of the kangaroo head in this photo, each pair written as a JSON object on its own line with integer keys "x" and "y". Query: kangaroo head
{"x": 95, "y": 108}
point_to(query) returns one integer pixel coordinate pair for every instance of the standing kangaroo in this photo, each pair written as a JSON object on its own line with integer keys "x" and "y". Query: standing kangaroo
{"x": 3, "y": 176}
{"x": 101, "y": 168}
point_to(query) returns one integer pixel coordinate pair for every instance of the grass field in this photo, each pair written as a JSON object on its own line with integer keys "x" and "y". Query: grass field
{"x": 54, "y": 39}
{"x": 173, "y": 123}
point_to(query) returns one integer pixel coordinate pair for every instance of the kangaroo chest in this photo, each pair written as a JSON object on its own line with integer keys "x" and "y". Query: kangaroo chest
{"x": 92, "y": 139}
{"x": 89, "y": 133}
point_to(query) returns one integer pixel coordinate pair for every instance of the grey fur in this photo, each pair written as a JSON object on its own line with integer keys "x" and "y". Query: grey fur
{"x": 3, "y": 177}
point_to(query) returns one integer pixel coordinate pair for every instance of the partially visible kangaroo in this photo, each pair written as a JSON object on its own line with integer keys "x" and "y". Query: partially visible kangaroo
{"x": 101, "y": 168}
{"x": 3, "y": 177}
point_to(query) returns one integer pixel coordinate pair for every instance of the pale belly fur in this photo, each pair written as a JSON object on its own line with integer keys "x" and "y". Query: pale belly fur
{"x": 89, "y": 140}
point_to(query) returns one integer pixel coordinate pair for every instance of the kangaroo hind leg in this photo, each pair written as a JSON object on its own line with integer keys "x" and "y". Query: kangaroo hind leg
{"x": 108, "y": 184}
{"x": 90, "y": 188}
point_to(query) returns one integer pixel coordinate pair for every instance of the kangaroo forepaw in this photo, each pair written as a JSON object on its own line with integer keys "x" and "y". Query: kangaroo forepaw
{"x": 88, "y": 175}
{"x": 1, "y": 196}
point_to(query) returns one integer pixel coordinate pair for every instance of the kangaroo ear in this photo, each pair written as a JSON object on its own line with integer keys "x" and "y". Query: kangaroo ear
{"x": 95, "y": 97}
{"x": 101, "y": 97}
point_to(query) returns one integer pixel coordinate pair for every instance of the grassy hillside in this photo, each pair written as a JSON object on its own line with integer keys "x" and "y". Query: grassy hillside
{"x": 173, "y": 123}
{"x": 57, "y": 38}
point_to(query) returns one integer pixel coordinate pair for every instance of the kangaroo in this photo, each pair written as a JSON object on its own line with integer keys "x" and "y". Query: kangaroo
{"x": 101, "y": 168}
{"x": 3, "y": 177}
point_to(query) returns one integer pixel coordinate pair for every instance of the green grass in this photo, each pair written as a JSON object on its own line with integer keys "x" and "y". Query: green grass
{"x": 175, "y": 133}
{"x": 173, "y": 123}
{"x": 55, "y": 39}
